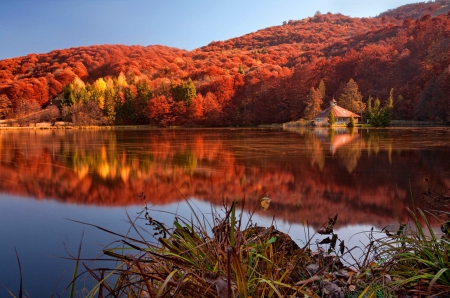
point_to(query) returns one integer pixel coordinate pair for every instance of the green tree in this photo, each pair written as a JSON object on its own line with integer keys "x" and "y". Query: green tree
{"x": 109, "y": 107}
{"x": 313, "y": 103}
{"x": 144, "y": 95}
{"x": 351, "y": 98}
{"x": 377, "y": 115}
{"x": 369, "y": 109}
{"x": 183, "y": 92}
{"x": 125, "y": 111}
{"x": 68, "y": 96}
{"x": 331, "y": 119}
{"x": 388, "y": 108}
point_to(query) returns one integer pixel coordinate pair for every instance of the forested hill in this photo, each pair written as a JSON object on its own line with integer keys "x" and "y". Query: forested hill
{"x": 416, "y": 10}
{"x": 262, "y": 77}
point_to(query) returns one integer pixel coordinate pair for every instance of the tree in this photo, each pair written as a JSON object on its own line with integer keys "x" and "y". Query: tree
{"x": 369, "y": 109}
{"x": 380, "y": 116}
{"x": 159, "y": 110}
{"x": 183, "y": 91}
{"x": 351, "y": 123}
{"x": 144, "y": 95}
{"x": 5, "y": 106}
{"x": 322, "y": 88}
{"x": 28, "y": 111}
{"x": 388, "y": 108}
{"x": 51, "y": 114}
{"x": 374, "y": 112}
{"x": 351, "y": 98}
{"x": 313, "y": 103}
{"x": 84, "y": 114}
{"x": 331, "y": 119}
{"x": 99, "y": 92}
{"x": 109, "y": 108}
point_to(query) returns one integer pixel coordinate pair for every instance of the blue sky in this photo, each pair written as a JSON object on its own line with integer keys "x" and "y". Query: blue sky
{"x": 32, "y": 26}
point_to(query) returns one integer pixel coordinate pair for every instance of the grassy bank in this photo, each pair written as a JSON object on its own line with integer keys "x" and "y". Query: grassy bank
{"x": 80, "y": 127}
{"x": 222, "y": 257}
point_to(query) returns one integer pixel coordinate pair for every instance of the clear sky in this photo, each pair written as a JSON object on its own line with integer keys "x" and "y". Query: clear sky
{"x": 40, "y": 26}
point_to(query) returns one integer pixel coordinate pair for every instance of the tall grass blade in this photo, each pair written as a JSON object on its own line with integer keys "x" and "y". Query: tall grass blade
{"x": 232, "y": 223}
{"x": 436, "y": 277}
{"x": 75, "y": 271}
{"x": 99, "y": 280}
{"x": 274, "y": 289}
{"x": 96, "y": 287}
{"x": 20, "y": 274}
{"x": 164, "y": 285}
{"x": 430, "y": 229}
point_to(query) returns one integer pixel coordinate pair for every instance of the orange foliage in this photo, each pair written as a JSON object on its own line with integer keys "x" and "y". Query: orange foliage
{"x": 265, "y": 76}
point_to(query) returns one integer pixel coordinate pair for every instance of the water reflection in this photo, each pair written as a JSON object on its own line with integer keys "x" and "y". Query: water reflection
{"x": 363, "y": 175}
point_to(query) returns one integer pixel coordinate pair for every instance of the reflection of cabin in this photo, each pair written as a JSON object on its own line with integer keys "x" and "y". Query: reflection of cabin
{"x": 337, "y": 137}
{"x": 341, "y": 115}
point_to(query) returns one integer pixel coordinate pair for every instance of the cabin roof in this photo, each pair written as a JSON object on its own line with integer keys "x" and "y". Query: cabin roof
{"x": 338, "y": 112}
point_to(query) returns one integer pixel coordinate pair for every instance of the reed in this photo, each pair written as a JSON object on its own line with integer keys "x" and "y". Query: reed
{"x": 194, "y": 258}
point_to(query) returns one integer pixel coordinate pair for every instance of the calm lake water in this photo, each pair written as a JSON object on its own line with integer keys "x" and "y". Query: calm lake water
{"x": 50, "y": 177}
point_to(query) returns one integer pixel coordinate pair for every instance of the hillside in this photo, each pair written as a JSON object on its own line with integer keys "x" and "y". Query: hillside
{"x": 416, "y": 10}
{"x": 261, "y": 77}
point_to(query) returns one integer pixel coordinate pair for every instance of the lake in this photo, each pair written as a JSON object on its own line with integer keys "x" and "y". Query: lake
{"x": 48, "y": 178}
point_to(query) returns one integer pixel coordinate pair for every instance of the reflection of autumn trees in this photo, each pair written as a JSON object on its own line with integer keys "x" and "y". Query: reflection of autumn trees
{"x": 362, "y": 181}
{"x": 350, "y": 155}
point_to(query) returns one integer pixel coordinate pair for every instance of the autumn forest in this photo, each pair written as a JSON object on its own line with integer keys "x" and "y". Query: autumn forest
{"x": 263, "y": 77}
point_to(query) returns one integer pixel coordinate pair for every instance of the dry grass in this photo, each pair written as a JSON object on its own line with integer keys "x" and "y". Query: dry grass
{"x": 195, "y": 258}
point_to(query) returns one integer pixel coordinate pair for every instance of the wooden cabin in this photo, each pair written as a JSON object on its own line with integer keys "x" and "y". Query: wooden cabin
{"x": 341, "y": 115}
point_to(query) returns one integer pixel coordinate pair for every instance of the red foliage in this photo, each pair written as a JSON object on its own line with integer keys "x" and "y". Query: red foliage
{"x": 159, "y": 110}
{"x": 265, "y": 76}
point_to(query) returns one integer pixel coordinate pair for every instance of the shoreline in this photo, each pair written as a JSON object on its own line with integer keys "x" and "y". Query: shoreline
{"x": 48, "y": 126}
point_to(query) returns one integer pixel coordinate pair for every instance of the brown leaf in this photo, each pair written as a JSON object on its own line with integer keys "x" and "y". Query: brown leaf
{"x": 265, "y": 203}
{"x": 342, "y": 247}
{"x": 324, "y": 230}
{"x": 325, "y": 241}
{"x": 333, "y": 241}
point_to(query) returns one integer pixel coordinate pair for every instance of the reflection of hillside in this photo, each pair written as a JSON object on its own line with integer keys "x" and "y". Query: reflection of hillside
{"x": 304, "y": 180}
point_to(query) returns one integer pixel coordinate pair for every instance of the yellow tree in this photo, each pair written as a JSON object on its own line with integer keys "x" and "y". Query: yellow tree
{"x": 100, "y": 87}
{"x": 313, "y": 103}
{"x": 351, "y": 98}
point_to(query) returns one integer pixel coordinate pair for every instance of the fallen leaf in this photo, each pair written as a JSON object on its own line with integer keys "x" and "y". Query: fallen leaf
{"x": 265, "y": 203}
